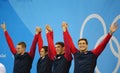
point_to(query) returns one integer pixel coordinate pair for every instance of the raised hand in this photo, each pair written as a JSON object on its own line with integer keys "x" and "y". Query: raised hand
{"x": 38, "y": 30}
{"x": 113, "y": 28}
{"x": 48, "y": 28}
{"x": 64, "y": 26}
{"x": 3, "y": 26}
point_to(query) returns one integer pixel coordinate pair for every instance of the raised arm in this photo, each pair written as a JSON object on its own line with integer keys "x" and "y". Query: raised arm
{"x": 33, "y": 46}
{"x": 49, "y": 30}
{"x": 8, "y": 39}
{"x": 67, "y": 55}
{"x": 51, "y": 34}
{"x": 40, "y": 42}
{"x": 68, "y": 38}
{"x": 51, "y": 47}
{"x": 98, "y": 50}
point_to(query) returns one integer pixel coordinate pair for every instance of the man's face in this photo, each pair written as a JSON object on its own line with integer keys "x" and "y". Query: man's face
{"x": 59, "y": 49}
{"x": 42, "y": 52}
{"x": 82, "y": 45}
{"x": 20, "y": 49}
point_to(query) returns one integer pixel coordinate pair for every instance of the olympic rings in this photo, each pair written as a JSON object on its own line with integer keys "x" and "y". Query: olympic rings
{"x": 116, "y": 54}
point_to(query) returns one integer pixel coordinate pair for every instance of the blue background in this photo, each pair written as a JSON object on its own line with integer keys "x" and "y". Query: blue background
{"x": 22, "y": 16}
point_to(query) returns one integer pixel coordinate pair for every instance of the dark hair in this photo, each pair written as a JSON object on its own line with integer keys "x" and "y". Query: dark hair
{"x": 84, "y": 40}
{"x": 45, "y": 48}
{"x": 60, "y": 43}
{"x": 22, "y": 44}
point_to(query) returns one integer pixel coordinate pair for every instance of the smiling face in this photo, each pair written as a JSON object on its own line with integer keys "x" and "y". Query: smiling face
{"x": 59, "y": 48}
{"x": 83, "y": 45}
{"x": 20, "y": 49}
{"x": 44, "y": 51}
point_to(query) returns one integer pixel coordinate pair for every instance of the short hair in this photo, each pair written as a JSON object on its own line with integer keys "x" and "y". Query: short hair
{"x": 60, "y": 43}
{"x": 45, "y": 48}
{"x": 22, "y": 44}
{"x": 83, "y": 39}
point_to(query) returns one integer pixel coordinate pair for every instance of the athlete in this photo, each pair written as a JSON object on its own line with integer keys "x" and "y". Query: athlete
{"x": 44, "y": 64}
{"x": 61, "y": 54}
{"x": 22, "y": 60}
{"x": 85, "y": 61}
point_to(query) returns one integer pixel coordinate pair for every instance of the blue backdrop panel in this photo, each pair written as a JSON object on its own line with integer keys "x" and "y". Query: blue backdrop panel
{"x": 86, "y": 18}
